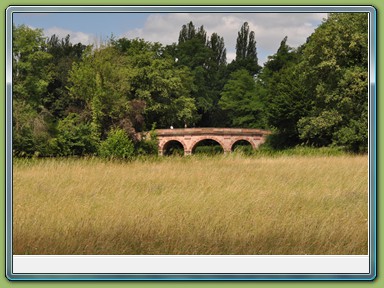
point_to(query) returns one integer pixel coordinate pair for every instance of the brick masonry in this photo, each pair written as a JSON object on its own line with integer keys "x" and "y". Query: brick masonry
{"x": 226, "y": 137}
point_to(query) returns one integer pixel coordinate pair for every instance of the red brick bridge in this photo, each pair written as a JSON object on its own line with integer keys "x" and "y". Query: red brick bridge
{"x": 189, "y": 138}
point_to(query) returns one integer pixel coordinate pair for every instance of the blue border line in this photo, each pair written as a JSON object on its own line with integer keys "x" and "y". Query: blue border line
{"x": 374, "y": 110}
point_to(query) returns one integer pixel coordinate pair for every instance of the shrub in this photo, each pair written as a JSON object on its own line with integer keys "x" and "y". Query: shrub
{"x": 74, "y": 137}
{"x": 117, "y": 146}
{"x": 148, "y": 145}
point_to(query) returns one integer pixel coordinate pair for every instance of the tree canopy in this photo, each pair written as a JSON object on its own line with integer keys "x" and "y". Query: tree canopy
{"x": 73, "y": 99}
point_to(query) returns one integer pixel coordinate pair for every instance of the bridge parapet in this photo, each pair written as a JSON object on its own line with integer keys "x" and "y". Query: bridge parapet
{"x": 211, "y": 131}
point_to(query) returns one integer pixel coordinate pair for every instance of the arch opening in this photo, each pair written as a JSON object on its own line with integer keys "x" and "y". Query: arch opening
{"x": 207, "y": 147}
{"x": 242, "y": 146}
{"x": 173, "y": 147}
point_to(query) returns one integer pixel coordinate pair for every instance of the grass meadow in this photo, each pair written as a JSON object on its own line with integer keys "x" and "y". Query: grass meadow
{"x": 221, "y": 205}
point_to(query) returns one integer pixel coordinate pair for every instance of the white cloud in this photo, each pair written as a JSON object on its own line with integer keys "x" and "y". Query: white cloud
{"x": 269, "y": 28}
{"x": 75, "y": 37}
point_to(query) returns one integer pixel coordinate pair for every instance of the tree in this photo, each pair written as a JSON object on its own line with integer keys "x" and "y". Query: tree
{"x": 32, "y": 69}
{"x": 317, "y": 94}
{"x": 287, "y": 103}
{"x": 246, "y": 53}
{"x": 194, "y": 53}
{"x": 281, "y": 88}
{"x": 206, "y": 58}
{"x": 335, "y": 60}
{"x": 279, "y": 60}
{"x": 31, "y": 74}
{"x": 219, "y": 53}
{"x": 64, "y": 54}
{"x": 132, "y": 88}
{"x": 192, "y": 46}
{"x": 167, "y": 94}
{"x": 241, "y": 102}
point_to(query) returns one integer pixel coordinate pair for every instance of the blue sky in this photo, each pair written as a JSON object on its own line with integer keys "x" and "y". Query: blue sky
{"x": 90, "y": 23}
{"x": 89, "y": 28}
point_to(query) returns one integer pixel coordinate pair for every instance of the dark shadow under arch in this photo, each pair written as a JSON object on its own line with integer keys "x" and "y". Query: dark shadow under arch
{"x": 173, "y": 147}
{"x": 242, "y": 145}
{"x": 208, "y": 147}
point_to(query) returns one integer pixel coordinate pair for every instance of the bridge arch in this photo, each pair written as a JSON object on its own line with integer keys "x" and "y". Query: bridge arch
{"x": 195, "y": 143}
{"x": 166, "y": 145}
{"x": 242, "y": 139}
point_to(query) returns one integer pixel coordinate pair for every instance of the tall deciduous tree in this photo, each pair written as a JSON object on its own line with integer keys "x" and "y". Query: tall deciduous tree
{"x": 336, "y": 60}
{"x": 279, "y": 60}
{"x": 219, "y": 52}
{"x": 32, "y": 69}
{"x": 286, "y": 102}
{"x": 281, "y": 88}
{"x": 31, "y": 74}
{"x": 246, "y": 52}
{"x": 64, "y": 53}
{"x": 206, "y": 57}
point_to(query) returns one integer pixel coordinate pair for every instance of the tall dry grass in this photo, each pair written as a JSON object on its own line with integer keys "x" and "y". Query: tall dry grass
{"x": 222, "y": 205}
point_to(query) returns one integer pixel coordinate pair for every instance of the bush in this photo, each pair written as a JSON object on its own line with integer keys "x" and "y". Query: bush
{"x": 74, "y": 137}
{"x": 117, "y": 146}
{"x": 148, "y": 145}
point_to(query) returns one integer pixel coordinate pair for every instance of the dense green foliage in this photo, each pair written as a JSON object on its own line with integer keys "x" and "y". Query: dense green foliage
{"x": 337, "y": 58}
{"x": 240, "y": 100}
{"x": 80, "y": 100}
{"x": 318, "y": 94}
{"x": 74, "y": 137}
{"x": 117, "y": 145}
{"x": 246, "y": 55}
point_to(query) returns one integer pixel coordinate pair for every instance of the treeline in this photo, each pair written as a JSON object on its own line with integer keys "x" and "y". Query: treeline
{"x": 81, "y": 100}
